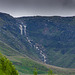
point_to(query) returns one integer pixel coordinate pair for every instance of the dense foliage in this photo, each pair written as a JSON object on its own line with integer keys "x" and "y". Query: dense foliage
{"x": 6, "y": 67}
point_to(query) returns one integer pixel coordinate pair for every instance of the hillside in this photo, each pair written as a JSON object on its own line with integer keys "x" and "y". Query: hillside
{"x": 20, "y": 61}
{"x": 31, "y": 42}
{"x": 26, "y": 65}
{"x": 10, "y": 35}
{"x": 53, "y": 38}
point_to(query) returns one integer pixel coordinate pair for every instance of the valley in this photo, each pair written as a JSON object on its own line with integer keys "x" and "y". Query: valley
{"x": 39, "y": 42}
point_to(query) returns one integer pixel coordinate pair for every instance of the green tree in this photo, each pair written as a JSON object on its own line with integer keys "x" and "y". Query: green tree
{"x": 6, "y": 67}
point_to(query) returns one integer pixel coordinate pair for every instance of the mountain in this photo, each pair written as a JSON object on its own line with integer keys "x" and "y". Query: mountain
{"x": 53, "y": 38}
{"x": 38, "y": 40}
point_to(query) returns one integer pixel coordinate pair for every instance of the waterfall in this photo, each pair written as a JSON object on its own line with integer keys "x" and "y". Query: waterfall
{"x": 23, "y": 32}
{"x": 21, "y": 29}
{"x": 25, "y": 29}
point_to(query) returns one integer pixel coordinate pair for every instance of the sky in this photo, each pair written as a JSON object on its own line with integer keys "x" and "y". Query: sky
{"x": 18, "y": 8}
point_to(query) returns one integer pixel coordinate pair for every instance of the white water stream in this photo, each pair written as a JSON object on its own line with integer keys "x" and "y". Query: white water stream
{"x": 23, "y": 31}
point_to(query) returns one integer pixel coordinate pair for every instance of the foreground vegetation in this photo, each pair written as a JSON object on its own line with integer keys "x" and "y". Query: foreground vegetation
{"x": 6, "y": 67}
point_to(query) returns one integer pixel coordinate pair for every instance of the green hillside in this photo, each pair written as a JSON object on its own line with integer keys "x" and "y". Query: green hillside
{"x": 54, "y": 40}
{"x": 26, "y": 65}
{"x": 54, "y": 36}
{"x": 22, "y": 63}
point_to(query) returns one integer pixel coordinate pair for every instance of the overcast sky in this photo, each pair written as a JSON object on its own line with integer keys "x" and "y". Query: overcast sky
{"x": 19, "y": 8}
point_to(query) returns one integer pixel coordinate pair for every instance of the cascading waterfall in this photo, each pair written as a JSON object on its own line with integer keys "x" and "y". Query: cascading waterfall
{"x": 41, "y": 53}
{"x": 23, "y": 31}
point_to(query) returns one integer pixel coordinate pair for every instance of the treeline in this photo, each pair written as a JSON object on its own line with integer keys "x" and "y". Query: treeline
{"x": 6, "y": 67}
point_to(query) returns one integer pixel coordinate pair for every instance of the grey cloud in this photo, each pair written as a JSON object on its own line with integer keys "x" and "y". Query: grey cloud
{"x": 41, "y": 7}
{"x": 69, "y": 3}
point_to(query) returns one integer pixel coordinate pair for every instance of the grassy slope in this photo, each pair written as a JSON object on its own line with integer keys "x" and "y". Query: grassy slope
{"x": 22, "y": 63}
{"x": 25, "y": 65}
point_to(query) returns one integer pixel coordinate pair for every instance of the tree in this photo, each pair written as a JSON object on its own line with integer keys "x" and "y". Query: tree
{"x": 6, "y": 67}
